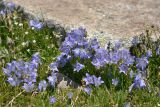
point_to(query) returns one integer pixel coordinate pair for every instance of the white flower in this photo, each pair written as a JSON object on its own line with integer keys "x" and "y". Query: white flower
{"x": 47, "y": 37}
{"x": 20, "y": 24}
{"x": 16, "y": 23}
{"x": 26, "y": 33}
{"x": 32, "y": 28}
{"x": 28, "y": 50}
{"x": 34, "y": 41}
{"x": 23, "y": 43}
{"x": 15, "y": 17}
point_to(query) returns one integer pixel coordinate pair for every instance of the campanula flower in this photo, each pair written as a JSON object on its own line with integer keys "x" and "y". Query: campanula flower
{"x": 52, "y": 100}
{"x": 82, "y": 53}
{"x": 52, "y": 79}
{"x": 149, "y": 53}
{"x": 54, "y": 66}
{"x": 94, "y": 43}
{"x": 96, "y": 63}
{"x": 117, "y": 45}
{"x": 123, "y": 68}
{"x": 115, "y": 82}
{"x": 158, "y": 51}
{"x": 42, "y": 85}
{"x": 36, "y": 24}
{"x": 128, "y": 104}
{"x": 87, "y": 90}
{"x": 10, "y": 6}
{"x": 142, "y": 63}
{"x": 14, "y": 81}
{"x": 135, "y": 40}
{"x": 28, "y": 87}
{"x": 88, "y": 79}
{"x": 63, "y": 58}
{"x": 97, "y": 81}
{"x": 78, "y": 66}
{"x": 70, "y": 95}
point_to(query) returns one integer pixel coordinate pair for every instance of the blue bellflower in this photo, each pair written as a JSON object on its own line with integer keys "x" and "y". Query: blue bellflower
{"x": 82, "y": 53}
{"x": 97, "y": 81}
{"x": 138, "y": 82}
{"x": 78, "y": 66}
{"x": 10, "y": 6}
{"x": 52, "y": 100}
{"x": 52, "y": 79}
{"x": 14, "y": 81}
{"x": 92, "y": 79}
{"x": 142, "y": 63}
{"x": 158, "y": 51}
{"x": 94, "y": 44}
{"x": 28, "y": 87}
{"x": 42, "y": 85}
{"x": 87, "y": 90}
{"x": 62, "y": 59}
{"x": 114, "y": 57}
{"x": 100, "y": 58}
{"x": 54, "y": 66}
{"x": 135, "y": 40}
{"x": 115, "y": 82}
{"x": 36, "y": 24}
{"x": 123, "y": 68}
{"x": 117, "y": 45}
{"x": 88, "y": 79}
{"x": 22, "y": 72}
{"x": 149, "y": 53}
{"x": 70, "y": 95}
{"x": 3, "y": 12}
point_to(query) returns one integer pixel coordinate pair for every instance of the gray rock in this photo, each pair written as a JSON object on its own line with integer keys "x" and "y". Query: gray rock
{"x": 65, "y": 82}
{"x": 110, "y": 19}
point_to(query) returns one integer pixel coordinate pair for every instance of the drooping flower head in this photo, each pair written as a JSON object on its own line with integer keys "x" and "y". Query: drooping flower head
{"x": 115, "y": 82}
{"x": 87, "y": 90}
{"x": 142, "y": 63}
{"x": 123, "y": 68}
{"x": 36, "y": 24}
{"x": 101, "y": 57}
{"x": 117, "y": 45}
{"x": 94, "y": 44}
{"x": 92, "y": 79}
{"x": 42, "y": 85}
{"x": 97, "y": 81}
{"x": 52, "y": 79}
{"x": 70, "y": 95}
{"x": 28, "y": 87}
{"x": 3, "y": 12}
{"x": 54, "y": 66}
{"x": 138, "y": 82}
{"x": 88, "y": 79}
{"x": 52, "y": 100}
{"x": 75, "y": 39}
{"x": 22, "y": 72}
{"x": 14, "y": 81}
{"x": 135, "y": 40}
{"x": 149, "y": 53}
{"x": 158, "y": 51}
{"x": 78, "y": 66}
{"x": 9, "y": 6}
{"x": 82, "y": 53}
{"x": 62, "y": 59}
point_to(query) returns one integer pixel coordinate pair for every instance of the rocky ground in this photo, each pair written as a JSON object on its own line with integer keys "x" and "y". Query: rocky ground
{"x": 107, "y": 19}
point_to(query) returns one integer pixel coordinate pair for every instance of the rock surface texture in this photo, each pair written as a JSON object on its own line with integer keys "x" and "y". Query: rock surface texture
{"x": 109, "y": 19}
